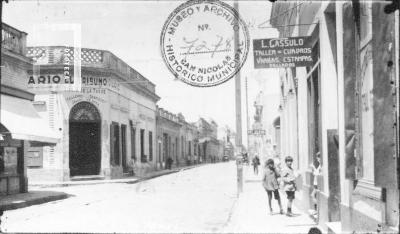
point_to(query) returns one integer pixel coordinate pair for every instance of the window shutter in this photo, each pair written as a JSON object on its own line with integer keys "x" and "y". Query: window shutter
{"x": 383, "y": 102}
{"x": 349, "y": 75}
{"x": 111, "y": 144}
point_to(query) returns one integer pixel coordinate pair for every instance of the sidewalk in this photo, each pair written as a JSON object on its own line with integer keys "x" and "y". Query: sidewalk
{"x": 35, "y": 197}
{"x": 251, "y": 214}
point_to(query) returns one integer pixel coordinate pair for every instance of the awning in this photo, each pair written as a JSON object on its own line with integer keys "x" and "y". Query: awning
{"x": 23, "y": 122}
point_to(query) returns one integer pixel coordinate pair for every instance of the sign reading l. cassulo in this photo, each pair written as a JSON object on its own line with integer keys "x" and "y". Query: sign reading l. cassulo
{"x": 282, "y": 52}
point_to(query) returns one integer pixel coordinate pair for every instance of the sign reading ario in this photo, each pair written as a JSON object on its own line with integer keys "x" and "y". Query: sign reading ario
{"x": 282, "y": 52}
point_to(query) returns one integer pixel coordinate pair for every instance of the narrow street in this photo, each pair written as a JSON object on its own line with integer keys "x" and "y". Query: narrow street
{"x": 196, "y": 200}
{"x": 202, "y": 199}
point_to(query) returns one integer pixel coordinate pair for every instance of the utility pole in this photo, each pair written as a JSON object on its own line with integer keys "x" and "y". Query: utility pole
{"x": 238, "y": 102}
{"x": 247, "y": 116}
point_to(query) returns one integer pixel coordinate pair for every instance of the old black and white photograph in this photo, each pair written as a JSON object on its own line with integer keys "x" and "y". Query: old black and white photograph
{"x": 200, "y": 116}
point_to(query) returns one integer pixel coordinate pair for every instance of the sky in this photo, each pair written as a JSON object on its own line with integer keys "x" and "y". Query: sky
{"x": 131, "y": 30}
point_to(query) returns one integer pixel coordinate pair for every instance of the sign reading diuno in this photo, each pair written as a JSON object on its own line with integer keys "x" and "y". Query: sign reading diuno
{"x": 282, "y": 52}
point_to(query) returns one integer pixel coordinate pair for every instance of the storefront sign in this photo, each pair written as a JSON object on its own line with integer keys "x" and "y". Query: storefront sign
{"x": 76, "y": 98}
{"x": 90, "y": 84}
{"x": 282, "y": 52}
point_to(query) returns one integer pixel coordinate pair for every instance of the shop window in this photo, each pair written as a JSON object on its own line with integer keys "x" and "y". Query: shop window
{"x": 150, "y": 146}
{"x": 35, "y": 157}
{"x": 143, "y": 157}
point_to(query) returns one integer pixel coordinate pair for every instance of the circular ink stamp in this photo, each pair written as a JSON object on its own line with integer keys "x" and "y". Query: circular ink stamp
{"x": 204, "y": 42}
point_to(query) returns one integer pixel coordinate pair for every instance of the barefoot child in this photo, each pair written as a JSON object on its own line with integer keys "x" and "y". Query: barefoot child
{"x": 270, "y": 183}
{"x": 289, "y": 183}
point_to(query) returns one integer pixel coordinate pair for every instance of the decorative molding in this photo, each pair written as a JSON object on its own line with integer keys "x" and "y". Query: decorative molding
{"x": 368, "y": 189}
{"x": 84, "y": 111}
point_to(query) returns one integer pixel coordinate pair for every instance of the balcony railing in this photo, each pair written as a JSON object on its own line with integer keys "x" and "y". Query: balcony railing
{"x": 13, "y": 39}
{"x": 61, "y": 55}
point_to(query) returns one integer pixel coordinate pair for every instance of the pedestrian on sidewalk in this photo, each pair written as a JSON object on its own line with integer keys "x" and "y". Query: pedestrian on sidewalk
{"x": 316, "y": 168}
{"x": 289, "y": 183}
{"x": 169, "y": 162}
{"x": 270, "y": 184}
{"x": 256, "y": 162}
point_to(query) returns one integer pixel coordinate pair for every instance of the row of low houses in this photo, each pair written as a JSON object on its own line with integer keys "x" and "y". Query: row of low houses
{"x": 57, "y": 128}
{"x": 344, "y": 107}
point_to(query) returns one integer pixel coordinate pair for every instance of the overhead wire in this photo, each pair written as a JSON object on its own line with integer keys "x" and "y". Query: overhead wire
{"x": 269, "y": 20}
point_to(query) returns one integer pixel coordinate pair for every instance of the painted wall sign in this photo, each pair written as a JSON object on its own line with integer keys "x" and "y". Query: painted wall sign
{"x": 282, "y": 52}
{"x": 76, "y": 98}
{"x": 89, "y": 84}
{"x": 197, "y": 42}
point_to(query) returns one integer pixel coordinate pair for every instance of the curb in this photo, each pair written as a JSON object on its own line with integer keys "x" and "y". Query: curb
{"x": 116, "y": 181}
{"x": 50, "y": 198}
{"x": 41, "y": 200}
{"x": 161, "y": 174}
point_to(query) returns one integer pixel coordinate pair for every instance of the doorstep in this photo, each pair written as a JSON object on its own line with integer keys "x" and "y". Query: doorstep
{"x": 87, "y": 177}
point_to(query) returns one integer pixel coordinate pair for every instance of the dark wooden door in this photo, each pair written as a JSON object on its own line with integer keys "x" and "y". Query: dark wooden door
{"x": 84, "y": 143}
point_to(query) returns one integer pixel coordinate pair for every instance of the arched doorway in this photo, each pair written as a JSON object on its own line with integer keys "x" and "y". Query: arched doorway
{"x": 84, "y": 139}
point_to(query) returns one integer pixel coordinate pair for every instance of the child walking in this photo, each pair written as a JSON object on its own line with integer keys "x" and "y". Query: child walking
{"x": 270, "y": 183}
{"x": 289, "y": 183}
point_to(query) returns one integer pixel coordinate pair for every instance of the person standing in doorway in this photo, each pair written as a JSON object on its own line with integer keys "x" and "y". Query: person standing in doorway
{"x": 256, "y": 162}
{"x": 270, "y": 184}
{"x": 289, "y": 183}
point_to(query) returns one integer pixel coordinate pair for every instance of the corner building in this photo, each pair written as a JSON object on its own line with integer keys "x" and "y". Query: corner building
{"x": 107, "y": 119}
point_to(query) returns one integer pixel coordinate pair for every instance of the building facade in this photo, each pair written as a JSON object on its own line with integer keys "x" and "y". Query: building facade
{"x": 20, "y": 124}
{"x": 345, "y": 108}
{"x": 208, "y": 142}
{"x": 104, "y": 110}
{"x": 168, "y": 138}
{"x": 189, "y": 141}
